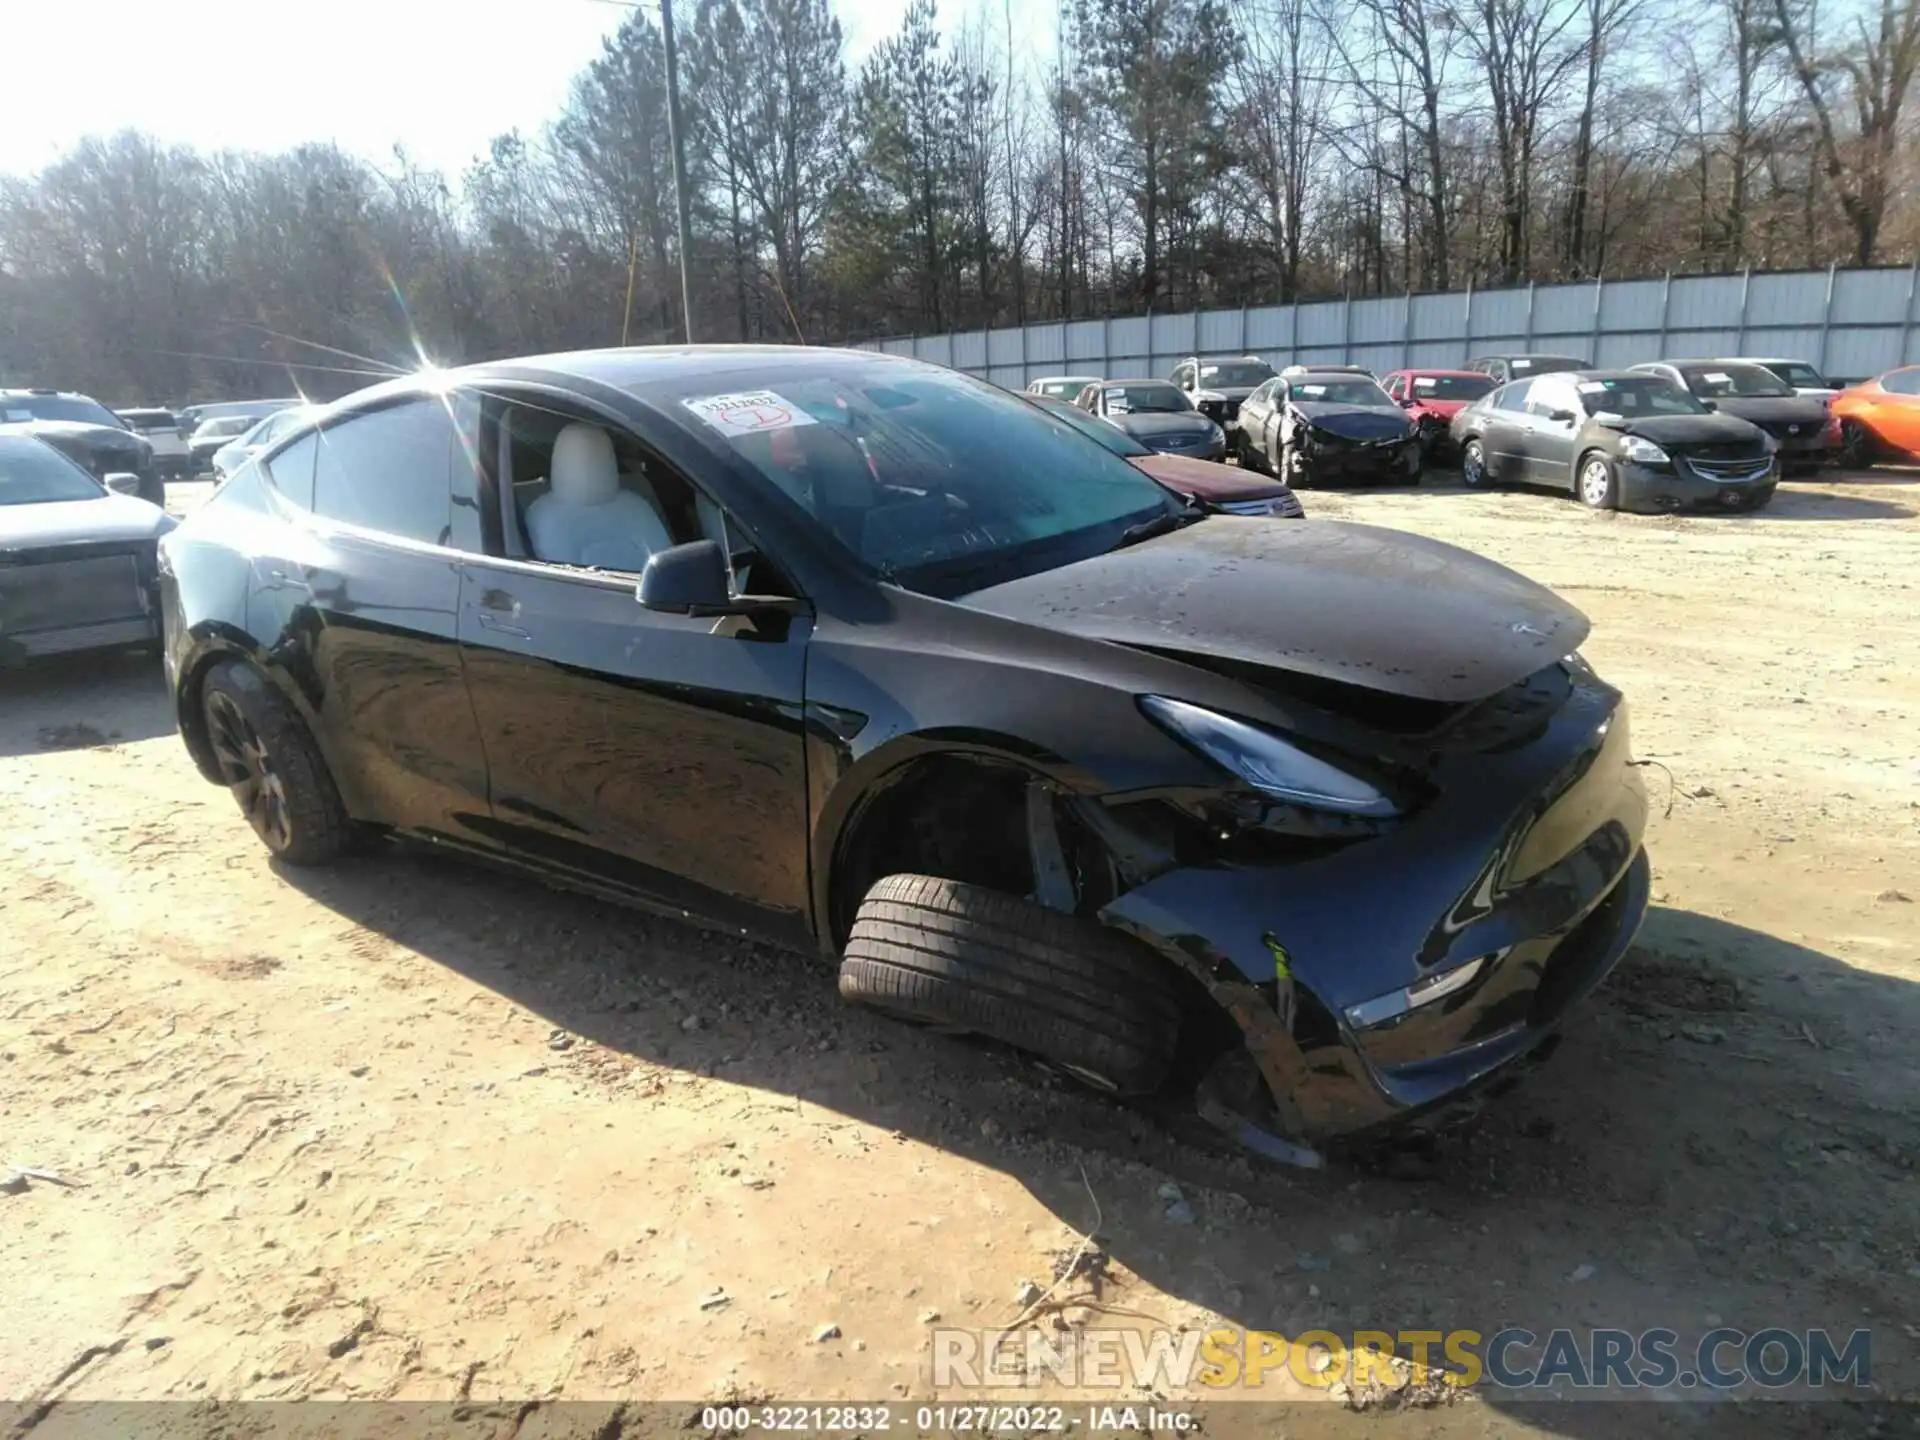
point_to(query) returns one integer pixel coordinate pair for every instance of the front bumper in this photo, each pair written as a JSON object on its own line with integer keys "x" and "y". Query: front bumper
{"x": 1528, "y": 861}
{"x": 1680, "y": 487}
{"x": 77, "y": 598}
{"x": 1379, "y": 460}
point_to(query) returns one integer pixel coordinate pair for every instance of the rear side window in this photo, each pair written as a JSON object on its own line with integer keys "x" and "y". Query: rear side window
{"x": 389, "y": 470}
{"x": 1514, "y": 396}
{"x": 291, "y": 471}
{"x": 1901, "y": 382}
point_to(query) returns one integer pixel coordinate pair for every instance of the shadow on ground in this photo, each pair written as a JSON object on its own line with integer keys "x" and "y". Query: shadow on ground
{"x": 76, "y": 701}
{"x": 1704, "y": 1142}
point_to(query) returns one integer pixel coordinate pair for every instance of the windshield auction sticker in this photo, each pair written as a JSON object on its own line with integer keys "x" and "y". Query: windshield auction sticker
{"x": 749, "y": 412}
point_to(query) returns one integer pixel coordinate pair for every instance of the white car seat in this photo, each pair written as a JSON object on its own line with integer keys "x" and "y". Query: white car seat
{"x": 586, "y": 517}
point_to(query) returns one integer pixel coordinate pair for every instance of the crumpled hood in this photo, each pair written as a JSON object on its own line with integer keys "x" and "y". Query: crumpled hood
{"x": 1354, "y": 422}
{"x": 1355, "y": 603}
{"x": 1151, "y": 425}
{"x": 65, "y": 522}
{"x": 1209, "y": 481}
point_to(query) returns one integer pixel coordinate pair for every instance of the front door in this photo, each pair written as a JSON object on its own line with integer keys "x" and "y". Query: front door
{"x": 660, "y": 754}
{"x": 1503, "y": 438}
{"x": 1552, "y": 426}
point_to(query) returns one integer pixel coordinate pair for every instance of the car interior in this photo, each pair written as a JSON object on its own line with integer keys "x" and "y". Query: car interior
{"x": 589, "y": 496}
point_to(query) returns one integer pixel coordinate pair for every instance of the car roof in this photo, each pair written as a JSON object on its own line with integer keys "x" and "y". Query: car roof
{"x": 1135, "y": 380}
{"x": 1438, "y": 371}
{"x": 1526, "y": 355}
{"x": 1344, "y": 372}
{"x": 1612, "y": 373}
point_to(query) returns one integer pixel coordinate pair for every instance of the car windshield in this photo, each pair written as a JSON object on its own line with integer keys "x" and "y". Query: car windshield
{"x": 1451, "y": 387}
{"x": 1720, "y": 379}
{"x": 1635, "y": 395}
{"x": 35, "y": 474}
{"x": 1543, "y": 364}
{"x": 1062, "y": 389}
{"x": 931, "y": 479}
{"x": 59, "y": 407}
{"x": 1338, "y": 390}
{"x": 1235, "y": 372}
{"x": 1798, "y": 372}
{"x": 1136, "y": 397}
{"x": 1118, "y": 441}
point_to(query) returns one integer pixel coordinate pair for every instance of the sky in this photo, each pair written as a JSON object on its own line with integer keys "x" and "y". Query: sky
{"x": 442, "y": 77}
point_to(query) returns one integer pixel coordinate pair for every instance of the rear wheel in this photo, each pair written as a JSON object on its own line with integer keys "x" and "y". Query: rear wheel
{"x": 1598, "y": 483}
{"x": 274, "y": 769}
{"x": 1069, "y": 990}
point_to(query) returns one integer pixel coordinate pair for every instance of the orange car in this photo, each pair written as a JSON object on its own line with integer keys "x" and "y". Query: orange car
{"x": 1880, "y": 417}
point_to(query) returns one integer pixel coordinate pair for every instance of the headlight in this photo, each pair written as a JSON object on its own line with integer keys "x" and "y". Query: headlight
{"x": 1266, "y": 762}
{"x": 1644, "y": 452}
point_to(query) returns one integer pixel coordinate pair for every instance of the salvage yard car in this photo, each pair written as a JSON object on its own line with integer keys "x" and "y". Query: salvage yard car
{"x": 162, "y": 430}
{"x": 1880, "y": 419}
{"x": 1220, "y": 487}
{"x": 1807, "y": 436}
{"x": 1502, "y": 368}
{"x": 77, "y": 562}
{"x": 1432, "y": 398}
{"x": 861, "y": 654}
{"x": 1217, "y": 388}
{"x": 1618, "y": 439}
{"x": 1316, "y": 427}
{"x": 87, "y": 433}
{"x": 1156, "y": 413}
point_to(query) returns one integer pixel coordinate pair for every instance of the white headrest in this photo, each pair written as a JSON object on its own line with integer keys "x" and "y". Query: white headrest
{"x": 584, "y": 470}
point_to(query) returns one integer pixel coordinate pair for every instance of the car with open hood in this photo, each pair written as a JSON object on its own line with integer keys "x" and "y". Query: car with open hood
{"x": 1219, "y": 387}
{"x": 1880, "y": 418}
{"x": 1158, "y": 414}
{"x": 1616, "y": 439}
{"x": 1802, "y": 427}
{"x": 1219, "y": 487}
{"x": 1432, "y": 398}
{"x": 868, "y": 657}
{"x": 88, "y": 433}
{"x": 77, "y": 559}
{"x": 1322, "y": 427}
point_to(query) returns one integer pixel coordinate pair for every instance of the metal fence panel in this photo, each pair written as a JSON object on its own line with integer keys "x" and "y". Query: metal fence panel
{"x": 1853, "y": 323}
{"x": 1222, "y": 332}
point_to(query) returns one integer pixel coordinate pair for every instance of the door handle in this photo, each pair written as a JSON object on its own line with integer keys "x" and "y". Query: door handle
{"x": 489, "y": 620}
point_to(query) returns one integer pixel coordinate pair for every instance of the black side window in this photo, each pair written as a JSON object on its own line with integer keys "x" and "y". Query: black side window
{"x": 1514, "y": 396}
{"x": 291, "y": 470}
{"x": 389, "y": 470}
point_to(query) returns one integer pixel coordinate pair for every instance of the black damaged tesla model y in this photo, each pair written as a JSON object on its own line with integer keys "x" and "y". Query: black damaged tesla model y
{"x": 863, "y": 655}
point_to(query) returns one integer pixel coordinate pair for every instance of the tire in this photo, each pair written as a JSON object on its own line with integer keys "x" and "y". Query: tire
{"x": 1760, "y": 497}
{"x": 1069, "y": 990}
{"x": 1597, "y": 483}
{"x": 1473, "y": 466}
{"x": 273, "y": 768}
{"x": 1415, "y": 468}
{"x": 1857, "y": 447}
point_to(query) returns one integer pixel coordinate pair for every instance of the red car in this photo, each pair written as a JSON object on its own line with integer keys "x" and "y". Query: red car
{"x": 1433, "y": 398}
{"x": 1223, "y": 488}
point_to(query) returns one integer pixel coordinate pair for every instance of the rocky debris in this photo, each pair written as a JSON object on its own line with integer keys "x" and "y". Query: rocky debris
{"x": 692, "y": 1023}
{"x": 1894, "y": 897}
{"x": 1582, "y": 1272}
{"x": 826, "y": 1332}
{"x": 1703, "y": 1034}
{"x": 714, "y": 1299}
{"x": 559, "y": 1040}
{"x": 1027, "y": 1293}
{"x": 1180, "y": 1213}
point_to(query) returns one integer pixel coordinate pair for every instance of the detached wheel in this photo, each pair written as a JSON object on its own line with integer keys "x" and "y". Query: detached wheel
{"x": 1473, "y": 466}
{"x": 1069, "y": 990}
{"x": 273, "y": 768}
{"x": 1598, "y": 483}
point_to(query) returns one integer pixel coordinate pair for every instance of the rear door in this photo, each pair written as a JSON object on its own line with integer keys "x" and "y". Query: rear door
{"x": 358, "y": 595}
{"x": 662, "y": 755}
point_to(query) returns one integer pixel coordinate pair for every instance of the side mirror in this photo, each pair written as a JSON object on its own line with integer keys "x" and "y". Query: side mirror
{"x": 1561, "y": 417}
{"x": 693, "y": 579}
{"x": 689, "y": 579}
{"x": 122, "y": 482}
{"x": 1409, "y": 401}
{"x": 1710, "y": 404}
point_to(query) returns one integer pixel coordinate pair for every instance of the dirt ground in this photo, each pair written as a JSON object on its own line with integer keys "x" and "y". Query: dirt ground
{"x": 405, "y": 1129}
